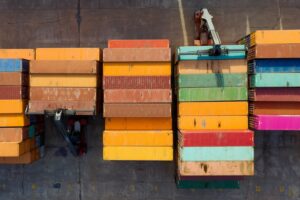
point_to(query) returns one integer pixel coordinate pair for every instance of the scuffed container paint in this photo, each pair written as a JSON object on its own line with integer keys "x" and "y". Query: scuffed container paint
{"x": 138, "y": 43}
{"x": 62, "y": 94}
{"x": 137, "y": 96}
{"x": 137, "y": 110}
{"x": 136, "y": 82}
{"x": 275, "y": 94}
{"x": 216, "y": 168}
{"x": 137, "y": 55}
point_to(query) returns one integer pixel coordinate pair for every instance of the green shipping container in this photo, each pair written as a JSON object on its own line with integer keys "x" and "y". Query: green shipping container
{"x": 195, "y": 184}
{"x": 275, "y": 80}
{"x": 213, "y": 94}
{"x": 212, "y": 80}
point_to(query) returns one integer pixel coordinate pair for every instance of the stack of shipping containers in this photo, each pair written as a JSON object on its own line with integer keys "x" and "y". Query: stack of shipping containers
{"x": 64, "y": 78}
{"x": 20, "y": 139}
{"x": 215, "y": 147}
{"x": 274, "y": 68}
{"x": 137, "y": 100}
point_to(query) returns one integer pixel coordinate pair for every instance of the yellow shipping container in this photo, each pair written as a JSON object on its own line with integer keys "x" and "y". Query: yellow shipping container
{"x": 27, "y": 54}
{"x": 213, "y": 108}
{"x": 137, "y": 69}
{"x": 63, "y": 80}
{"x": 68, "y": 54}
{"x": 138, "y": 123}
{"x": 13, "y": 120}
{"x": 213, "y": 122}
{"x": 138, "y": 138}
{"x": 11, "y": 149}
{"x": 25, "y": 158}
{"x": 275, "y": 37}
{"x": 12, "y": 106}
{"x": 138, "y": 153}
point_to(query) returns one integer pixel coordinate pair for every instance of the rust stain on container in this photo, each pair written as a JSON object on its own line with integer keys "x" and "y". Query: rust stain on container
{"x": 63, "y": 94}
{"x": 275, "y": 94}
{"x": 137, "y": 110}
{"x": 275, "y": 108}
{"x": 13, "y": 92}
{"x": 274, "y": 51}
{"x": 13, "y": 134}
{"x": 81, "y": 107}
{"x": 137, "y": 82}
{"x": 162, "y": 43}
{"x": 13, "y": 79}
{"x": 63, "y": 67}
{"x": 137, "y": 55}
{"x": 137, "y": 96}
{"x": 230, "y": 168}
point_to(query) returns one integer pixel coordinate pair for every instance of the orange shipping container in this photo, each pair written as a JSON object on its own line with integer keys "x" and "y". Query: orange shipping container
{"x": 138, "y": 123}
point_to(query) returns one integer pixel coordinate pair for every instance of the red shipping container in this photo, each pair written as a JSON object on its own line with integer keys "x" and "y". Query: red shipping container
{"x": 137, "y": 96}
{"x": 138, "y": 43}
{"x": 13, "y": 92}
{"x": 274, "y": 108}
{"x": 137, "y": 82}
{"x": 215, "y": 138}
{"x": 275, "y": 94}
